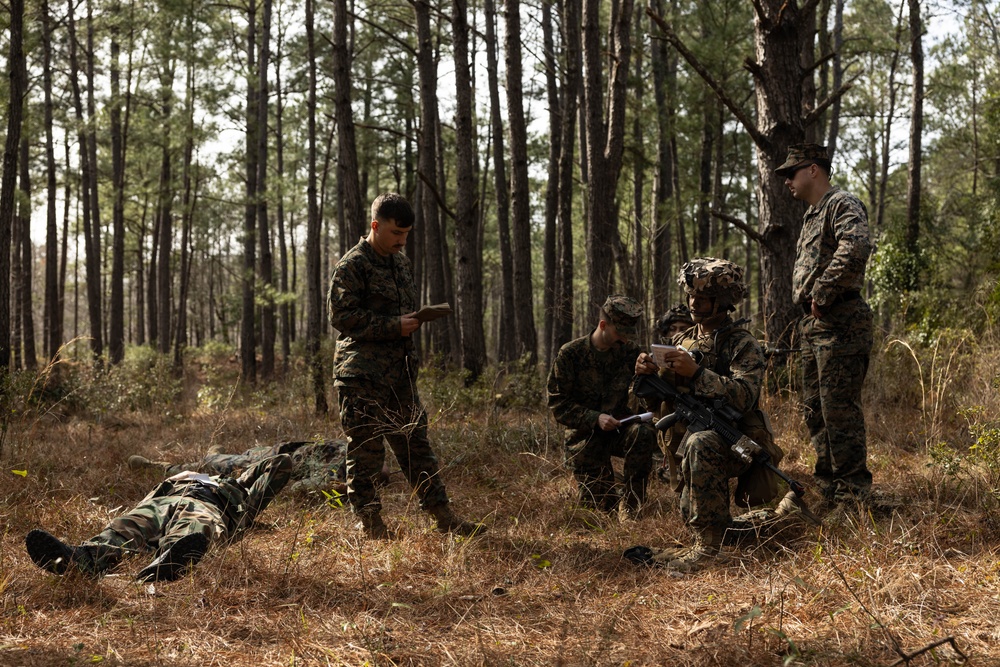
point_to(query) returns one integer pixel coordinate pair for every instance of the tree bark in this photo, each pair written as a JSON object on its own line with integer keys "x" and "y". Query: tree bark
{"x": 506, "y": 345}
{"x": 18, "y": 74}
{"x": 664, "y": 68}
{"x": 268, "y": 329}
{"x": 562, "y": 324}
{"x": 287, "y": 306}
{"x": 468, "y": 258}
{"x": 551, "y": 252}
{"x": 347, "y": 150}
{"x": 916, "y": 138}
{"x": 524, "y": 310}
{"x": 314, "y": 288}
{"x": 116, "y": 339}
{"x": 52, "y": 320}
{"x": 605, "y": 144}
{"x": 248, "y": 339}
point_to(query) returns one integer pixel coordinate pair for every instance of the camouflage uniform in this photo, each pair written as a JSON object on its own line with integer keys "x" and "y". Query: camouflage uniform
{"x": 316, "y": 465}
{"x": 733, "y": 366}
{"x": 376, "y": 375}
{"x": 584, "y": 383}
{"x": 829, "y": 271}
{"x": 218, "y": 508}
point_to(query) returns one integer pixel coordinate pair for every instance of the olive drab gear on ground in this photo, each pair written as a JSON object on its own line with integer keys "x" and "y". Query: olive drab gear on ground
{"x": 316, "y": 464}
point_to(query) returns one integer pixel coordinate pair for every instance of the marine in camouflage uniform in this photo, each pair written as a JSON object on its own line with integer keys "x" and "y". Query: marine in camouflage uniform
{"x": 836, "y": 328}
{"x": 588, "y": 393}
{"x": 675, "y": 321}
{"x": 719, "y": 361}
{"x": 316, "y": 465}
{"x": 372, "y": 302}
{"x": 177, "y": 522}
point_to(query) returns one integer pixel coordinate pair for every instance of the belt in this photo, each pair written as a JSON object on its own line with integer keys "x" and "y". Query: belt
{"x": 843, "y": 297}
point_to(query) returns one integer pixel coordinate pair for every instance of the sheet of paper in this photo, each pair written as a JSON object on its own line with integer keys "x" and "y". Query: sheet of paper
{"x": 429, "y": 313}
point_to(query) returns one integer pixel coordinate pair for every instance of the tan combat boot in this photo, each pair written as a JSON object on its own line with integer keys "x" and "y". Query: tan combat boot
{"x": 448, "y": 522}
{"x": 703, "y": 552}
{"x": 374, "y": 527}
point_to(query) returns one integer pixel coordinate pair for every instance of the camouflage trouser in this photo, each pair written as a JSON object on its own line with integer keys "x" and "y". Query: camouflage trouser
{"x": 707, "y": 464}
{"x": 835, "y": 352}
{"x": 371, "y": 412}
{"x": 225, "y": 464}
{"x": 591, "y": 461}
{"x": 156, "y": 523}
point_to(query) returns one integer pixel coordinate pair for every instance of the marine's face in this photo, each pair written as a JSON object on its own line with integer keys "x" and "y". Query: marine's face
{"x": 610, "y": 335}
{"x": 705, "y": 309}
{"x": 387, "y": 238}
{"x": 676, "y": 327}
{"x": 800, "y": 182}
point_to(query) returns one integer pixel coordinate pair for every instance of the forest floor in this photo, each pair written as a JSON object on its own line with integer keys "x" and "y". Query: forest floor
{"x": 547, "y": 583}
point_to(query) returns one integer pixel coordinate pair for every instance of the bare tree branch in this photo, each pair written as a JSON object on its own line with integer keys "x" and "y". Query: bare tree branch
{"x": 437, "y": 195}
{"x": 402, "y": 43}
{"x": 723, "y": 96}
{"x": 930, "y": 647}
{"x": 747, "y": 229}
{"x": 814, "y": 115}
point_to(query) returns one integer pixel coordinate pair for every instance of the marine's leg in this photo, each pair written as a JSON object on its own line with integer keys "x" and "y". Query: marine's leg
{"x": 591, "y": 461}
{"x": 639, "y": 444}
{"x": 812, "y": 406}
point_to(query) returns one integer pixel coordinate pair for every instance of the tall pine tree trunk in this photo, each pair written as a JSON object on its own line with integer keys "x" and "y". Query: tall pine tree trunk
{"x": 506, "y": 345}
{"x": 524, "y": 309}
{"x": 916, "y": 139}
{"x": 468, "y": 258}
{"x": 550, "y": 252}
{"x": 52, "y": 320}
{"x": 314, "y": 288}
{"x": 248, "y": 338}
{"x": 605, "y": 139}
{"x": 268, "y": 329}
{"x": 116, "y": 339}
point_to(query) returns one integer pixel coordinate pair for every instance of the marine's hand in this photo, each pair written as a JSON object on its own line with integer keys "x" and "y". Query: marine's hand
{"x": 680, "y": 362}
{"x": 607, "y": 422}
{"x": 644, "y": 365}
{"x": 408, "y": 324}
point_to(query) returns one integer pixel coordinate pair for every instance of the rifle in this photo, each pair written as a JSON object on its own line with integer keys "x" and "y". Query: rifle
{"x": 702, "y": 414}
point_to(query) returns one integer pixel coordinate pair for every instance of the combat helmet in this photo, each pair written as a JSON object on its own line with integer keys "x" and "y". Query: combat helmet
{"x": 679, "y": 313}
{"x": 716, "y": 278}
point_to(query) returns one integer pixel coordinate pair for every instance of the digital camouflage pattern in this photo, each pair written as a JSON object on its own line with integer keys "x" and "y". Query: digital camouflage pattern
{"x": 368, "y": 294}
{"x": 800, "y": 155}
{"x": 315, "y": 464}
{"x": 712, "y": 277}
{"x": 584, "y": 383}
{"x": 833, "y": 250}
{"x": 376, "y": 374}
{"x": 624, "y": 312}
{"x": 219, "y": 508}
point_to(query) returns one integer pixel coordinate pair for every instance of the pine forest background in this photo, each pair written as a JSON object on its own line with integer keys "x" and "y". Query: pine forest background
{"x": 189, "y": 172}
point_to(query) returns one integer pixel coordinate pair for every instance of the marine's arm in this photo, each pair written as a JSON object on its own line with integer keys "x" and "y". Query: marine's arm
{"x": 848, "y": 221}
{"x": 349, "y": 310}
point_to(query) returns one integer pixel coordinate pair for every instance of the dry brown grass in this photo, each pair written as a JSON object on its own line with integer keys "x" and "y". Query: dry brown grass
{"x": 544, "y": 586}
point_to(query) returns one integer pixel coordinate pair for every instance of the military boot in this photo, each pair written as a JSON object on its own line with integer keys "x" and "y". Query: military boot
{"x": 374, "y": 527}
{"x": 448, "y": 522}
{"x": 703, "y": 552}
{"x": 137, "y": 463}
{"x": 177, "y": 560}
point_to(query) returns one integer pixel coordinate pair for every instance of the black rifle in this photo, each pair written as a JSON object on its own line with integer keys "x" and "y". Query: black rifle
{"x": 705, "y": 414}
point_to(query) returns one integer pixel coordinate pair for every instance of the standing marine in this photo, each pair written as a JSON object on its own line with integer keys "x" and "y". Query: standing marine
{"x": 835, "y": 332}
{"x": 373, "y": 303}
